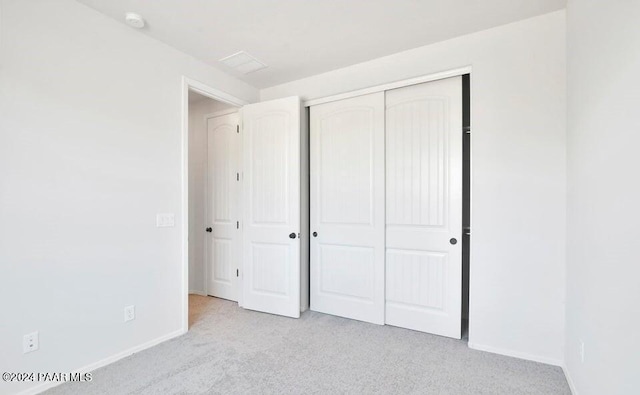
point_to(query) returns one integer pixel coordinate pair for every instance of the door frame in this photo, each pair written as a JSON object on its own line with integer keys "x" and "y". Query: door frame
{"x": 188, "y": 84}
{"x": 391, "y": 85}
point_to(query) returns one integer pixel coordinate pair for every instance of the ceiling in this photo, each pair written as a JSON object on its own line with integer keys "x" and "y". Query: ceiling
{"x": 300, "y": 38}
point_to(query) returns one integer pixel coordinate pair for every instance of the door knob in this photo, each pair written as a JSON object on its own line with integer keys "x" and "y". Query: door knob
{"x": 315, "y": 234}
{"x": 209, "y": 230}
{"x": 453, "y": 241}
{"x": 292, "y": 236}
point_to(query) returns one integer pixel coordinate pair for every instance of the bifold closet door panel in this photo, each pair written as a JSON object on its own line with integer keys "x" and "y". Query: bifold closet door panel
{"x": 223, "y": 193}
{"x": 347, "y": 208}
{"x": 271, "y": 206}
{"x": 424, "y": 207}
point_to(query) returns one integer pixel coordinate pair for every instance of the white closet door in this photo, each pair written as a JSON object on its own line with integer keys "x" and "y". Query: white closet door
{"x": 223, "y": 244}
{"x": 424, "y": 207}
{"x": 271, "y": 185}
{"x": 347, "y": 208}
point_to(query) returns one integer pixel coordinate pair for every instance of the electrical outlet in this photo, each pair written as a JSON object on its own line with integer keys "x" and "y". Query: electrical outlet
{"x": 30, "y": 342}
{"x": 165, "y": 220}
{"x": 581, "y": 351}
{"x": 129, "y": 313}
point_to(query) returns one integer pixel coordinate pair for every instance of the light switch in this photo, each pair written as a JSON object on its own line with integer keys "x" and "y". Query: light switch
{"x": 165, "y": 220}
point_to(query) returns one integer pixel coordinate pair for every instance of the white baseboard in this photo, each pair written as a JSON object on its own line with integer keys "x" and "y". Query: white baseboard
{"x": 109, "y": 360}
{"x": 194, "y": 292}
{"x": 572, "y": 386}
{"x": 516, "y": 354}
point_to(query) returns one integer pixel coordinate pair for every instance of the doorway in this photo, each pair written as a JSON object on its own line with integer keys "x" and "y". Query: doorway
{"x": 246, "y": 180}
{"x": 214, "y": 240}
{"x": 203, "y": 109}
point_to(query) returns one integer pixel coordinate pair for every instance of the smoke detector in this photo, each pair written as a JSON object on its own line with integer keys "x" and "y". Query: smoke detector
{"x": 134, "y": 20}
{"x": 243, "y": 62}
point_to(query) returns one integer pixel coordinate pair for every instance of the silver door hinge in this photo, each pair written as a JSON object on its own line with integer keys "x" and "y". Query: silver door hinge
{"x": 237, "y": 272}
{"x": 237, "y": 176}
{"x": 466, "y": 231}
{"x": 237, "y": 128}
{"x": 237, "y": 224}
{"x": 467, "y": 129}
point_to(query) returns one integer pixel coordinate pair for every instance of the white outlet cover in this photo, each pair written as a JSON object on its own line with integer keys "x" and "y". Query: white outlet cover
{"x": 129, "y": 313}
{"x": 30, "y": 342}
{"x": 165, "y": 220}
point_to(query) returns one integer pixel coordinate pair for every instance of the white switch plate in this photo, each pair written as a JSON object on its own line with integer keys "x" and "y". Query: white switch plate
{"x": 129, "y": 313}
{"x": 165, "y": 220}
{"x": 30, "y": 342}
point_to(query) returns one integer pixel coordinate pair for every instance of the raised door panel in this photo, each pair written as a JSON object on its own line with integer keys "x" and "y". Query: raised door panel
{"x": 345, "y": 166}
{"x": 222, "y": 272}
{"x": 347, "y": 272}
{"x": 222, "y": 141}
{"x": 270, "y": 266}
{"x": 417, "y": 162}
{"x": 424, "y": 207}
{"x": 268, "y": 170}
{"x": 347, "y": 208}
{"x": 415, "y": 279}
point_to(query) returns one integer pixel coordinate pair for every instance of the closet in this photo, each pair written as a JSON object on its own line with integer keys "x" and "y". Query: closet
{"x": 386, "y": 207}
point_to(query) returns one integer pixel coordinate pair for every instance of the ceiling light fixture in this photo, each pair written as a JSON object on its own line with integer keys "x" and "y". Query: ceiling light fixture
{"x": 134, "y": 20}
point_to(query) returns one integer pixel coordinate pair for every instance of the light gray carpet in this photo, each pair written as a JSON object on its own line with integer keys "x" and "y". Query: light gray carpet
{"x": 229, "y": 350}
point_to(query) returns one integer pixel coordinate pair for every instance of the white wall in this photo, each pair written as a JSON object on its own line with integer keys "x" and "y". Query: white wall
{"x": 197, "y": 187}
{"x": 518, "y": 220}
{"x": 603, "y": 270}
{"x": 90, "y": 151}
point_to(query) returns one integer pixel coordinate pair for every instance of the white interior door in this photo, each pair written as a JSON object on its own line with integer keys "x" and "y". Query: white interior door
{"x": 347, "y": 208}
{"x": 271, "y": 225}
{"x": 223, "y": 192}
{"x": 424, "y": 207}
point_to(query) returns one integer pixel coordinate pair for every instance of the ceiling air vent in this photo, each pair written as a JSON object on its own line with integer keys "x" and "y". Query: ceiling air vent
{"x": 243, "y": 62}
